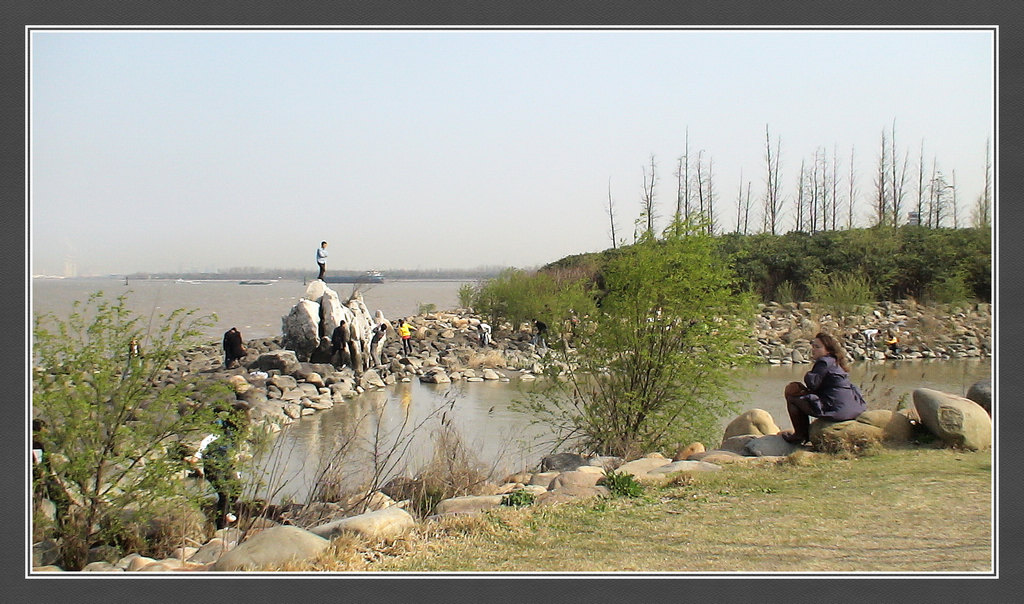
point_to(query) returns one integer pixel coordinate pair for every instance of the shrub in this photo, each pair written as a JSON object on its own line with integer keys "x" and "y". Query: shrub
{"x": 518, "y": 498}
{"x": 841, "y": 293}
{"x": 621, "y": 484}
{"x": 949, "y": 289}
{"x": 467, "y": 295}
{"x": 108, "y": 432}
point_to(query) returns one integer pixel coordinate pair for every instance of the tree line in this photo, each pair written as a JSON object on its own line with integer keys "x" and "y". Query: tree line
{"x": 825, "y": 195}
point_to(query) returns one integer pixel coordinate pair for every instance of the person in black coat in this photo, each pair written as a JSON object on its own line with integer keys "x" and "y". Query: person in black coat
{"x": 233, "y": 349}
{"x": 826, "y": 392}
{"x": 339, "y": 343}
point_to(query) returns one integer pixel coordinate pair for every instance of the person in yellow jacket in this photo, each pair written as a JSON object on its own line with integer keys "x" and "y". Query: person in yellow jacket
{"x": 405, "y": 331}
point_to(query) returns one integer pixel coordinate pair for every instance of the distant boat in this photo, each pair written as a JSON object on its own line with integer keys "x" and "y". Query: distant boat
{"x": 187, "y": 281}
{"x": 256, "y": 282}
{"x": 367, "y": 277}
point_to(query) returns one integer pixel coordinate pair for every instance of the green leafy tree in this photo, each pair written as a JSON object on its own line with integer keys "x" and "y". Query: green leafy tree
{"x": 654, "y": 365}
{"x": 106, "y": 428}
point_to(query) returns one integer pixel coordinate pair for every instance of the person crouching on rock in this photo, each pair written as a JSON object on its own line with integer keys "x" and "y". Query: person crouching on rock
{"x": 233, "y": 349}
{"x": 826, "y": 392}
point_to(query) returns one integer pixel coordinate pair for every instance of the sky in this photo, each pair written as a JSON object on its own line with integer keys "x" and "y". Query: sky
{"x": 205, "y": 150}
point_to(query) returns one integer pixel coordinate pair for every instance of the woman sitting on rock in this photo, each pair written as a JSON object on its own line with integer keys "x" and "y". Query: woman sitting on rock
{"x": 826, "y": 391}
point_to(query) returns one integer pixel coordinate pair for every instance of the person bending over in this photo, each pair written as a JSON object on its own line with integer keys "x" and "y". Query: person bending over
{"x": 826, "y": 392}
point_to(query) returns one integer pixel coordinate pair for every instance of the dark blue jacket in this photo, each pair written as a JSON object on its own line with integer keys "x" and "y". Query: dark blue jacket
{"x": 832, "y": 391}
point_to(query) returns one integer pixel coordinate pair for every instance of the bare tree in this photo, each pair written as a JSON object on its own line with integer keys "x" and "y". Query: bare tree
{"x": 680, "y": 174}
{"x": 982, "y": 214}
{"x": 920, "y": 186}
{"x": 686, "y": 176}
{"x": 801, "y": 201}
{"x": 712, "y": 217}
{"x": 772, "y": 202}
{"x": 739, "y": 205}
{"x": 881, "y": 199}
{"x": 952, "y": 189}
{"x": 899, "y": 177}
{"x": 746, "y": 211}
{"x": 853, "y": 191}
{"x": 700, "y": 184}
{"x": 611, "y": 214}
{"x": 834, "y": 209}
{"x": 648, "y": 213}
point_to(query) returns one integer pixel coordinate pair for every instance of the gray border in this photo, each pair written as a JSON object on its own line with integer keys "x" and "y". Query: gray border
{"x": 19, "y": 13}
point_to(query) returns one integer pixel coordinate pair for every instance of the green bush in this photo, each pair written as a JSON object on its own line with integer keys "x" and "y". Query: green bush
{"x": 621, "y": 484}
{"x": 108, "y": 434}
{"x": 518, "y": 498}
{"x": 841, "y": 293}
{"x": 467, "y": 295}
{"x": 949, "y": 289}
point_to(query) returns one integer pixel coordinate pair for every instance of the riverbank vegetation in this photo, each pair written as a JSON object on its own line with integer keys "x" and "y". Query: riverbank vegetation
{"x": 107, "y": 438}
{"x": 904, "y": 510}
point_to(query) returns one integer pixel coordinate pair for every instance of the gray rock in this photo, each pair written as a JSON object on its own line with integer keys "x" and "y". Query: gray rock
{"x": 468, "y": 504}
{"x": 981, "y": 393}
{"x": 562, "y": 462}
{"x": 101, "y": 567}
{"x": 284, "y": 361}
{"x": 301, "y": 328}
{"x": 686, "y": 466}
{"x": 272, "y": 548}
{"x": 771, "y": 445}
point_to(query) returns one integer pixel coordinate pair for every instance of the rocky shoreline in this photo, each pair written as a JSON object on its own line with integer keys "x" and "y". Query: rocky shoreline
{"x": 284, "y": 378}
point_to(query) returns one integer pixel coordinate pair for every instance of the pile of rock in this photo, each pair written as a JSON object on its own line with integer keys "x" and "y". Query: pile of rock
{"x": 784, "y": 331}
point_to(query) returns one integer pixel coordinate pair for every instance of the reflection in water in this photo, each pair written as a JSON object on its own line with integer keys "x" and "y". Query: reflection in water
{"x": 371, "y": 424}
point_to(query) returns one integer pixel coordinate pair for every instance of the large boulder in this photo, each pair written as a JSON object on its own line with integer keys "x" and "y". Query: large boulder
{"x": 957, "y": 421}
{"x": 769, "y": 445}
{"x": 575, "y": 478}
{"x": 386, "y": 523}
{"x": 755, "y": 421}
{"x": 284, "y": 361}
{"x": 896, "y": 427}
{"x": 301, "y": 328}
{"x": 332, "y": 312}
{"x": 468, "y": 504}
{"x": 562, "y": 462}
{"x": 832, "y": 436}
{"x": 272, "y": 548}
{"x": 571, "y": 493}
{"x": 639, "y": 468}
{"x": 981, "y": 393}
{"x": 685, "y": 466}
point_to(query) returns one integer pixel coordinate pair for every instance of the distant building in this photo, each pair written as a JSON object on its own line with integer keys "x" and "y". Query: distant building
{"x": 70, "y": 269}
{"x": 914, "y": 218}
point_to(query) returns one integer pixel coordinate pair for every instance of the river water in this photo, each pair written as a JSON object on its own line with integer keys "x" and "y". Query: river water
{"x": 481, "y": 412}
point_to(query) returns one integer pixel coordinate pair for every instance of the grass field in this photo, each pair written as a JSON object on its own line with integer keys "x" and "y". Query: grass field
{"x": 914, "y": 510}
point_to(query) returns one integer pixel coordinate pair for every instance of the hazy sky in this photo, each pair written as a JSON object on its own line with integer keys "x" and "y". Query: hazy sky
{"x": 204, "y": 150}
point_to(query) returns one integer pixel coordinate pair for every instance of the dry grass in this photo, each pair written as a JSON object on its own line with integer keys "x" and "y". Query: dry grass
{"x": 909, "y": 510}
{"x": 492, "y": 359}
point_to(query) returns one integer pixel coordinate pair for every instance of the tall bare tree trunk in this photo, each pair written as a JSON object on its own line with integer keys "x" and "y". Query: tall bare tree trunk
{"x": 611, "y": 214}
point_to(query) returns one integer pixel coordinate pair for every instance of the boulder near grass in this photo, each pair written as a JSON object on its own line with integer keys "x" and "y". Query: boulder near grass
{"x": 957, "y": 421}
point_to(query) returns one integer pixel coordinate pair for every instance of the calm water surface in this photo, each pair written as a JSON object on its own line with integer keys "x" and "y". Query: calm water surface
{"x": 481, "y": 411}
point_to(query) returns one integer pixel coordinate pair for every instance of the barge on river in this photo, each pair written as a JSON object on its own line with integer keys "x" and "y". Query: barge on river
{"x": 367, "y": 277}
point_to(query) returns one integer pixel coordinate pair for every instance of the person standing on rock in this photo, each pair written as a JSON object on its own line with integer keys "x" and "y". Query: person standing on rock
{"x": 339, "y": 343}
{"x": 321, "y": 259}
{"x": 233, "y": 349}
{"x": 405, "y": 330}
{"x": 485, "y": 334}
{"x": 377, "y": 342}
{"x": 826, "y": 392}
{"x": 538, "y": 338}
